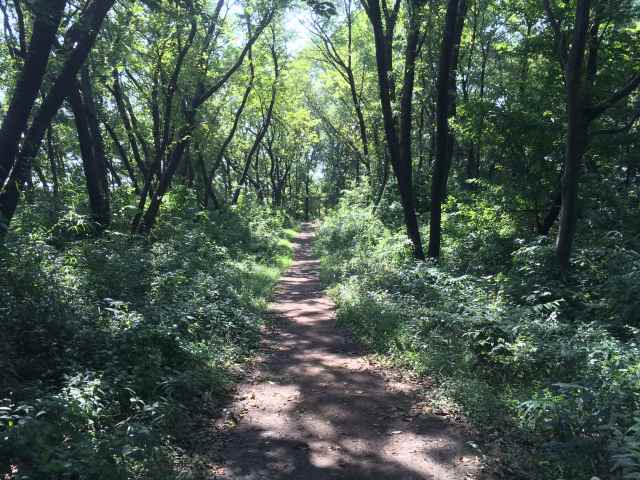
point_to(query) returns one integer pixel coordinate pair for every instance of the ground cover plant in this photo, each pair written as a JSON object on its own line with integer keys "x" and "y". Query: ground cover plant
{"x": 546, "y": 367}
{"x": 113, "y": 345}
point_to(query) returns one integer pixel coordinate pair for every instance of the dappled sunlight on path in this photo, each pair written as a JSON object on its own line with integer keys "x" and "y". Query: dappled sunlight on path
{"x": 316, "y": 408}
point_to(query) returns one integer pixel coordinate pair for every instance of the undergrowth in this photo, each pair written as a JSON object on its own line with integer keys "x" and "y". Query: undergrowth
{"x": 113, "y": 345}
{"x": 547, "y": 368}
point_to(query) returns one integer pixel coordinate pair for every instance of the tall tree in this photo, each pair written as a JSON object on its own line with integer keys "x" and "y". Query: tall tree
{"x": 92, "y": 151}
{"x": 191, "y": 103}
{"x": 445, "y": 108}
{"x": 397, "y": 128}
{"x": 78, "y": 42}
{"x": 580, "y": 63}
{"x": 343, "y": 64}
{"x": 47, "y": 15}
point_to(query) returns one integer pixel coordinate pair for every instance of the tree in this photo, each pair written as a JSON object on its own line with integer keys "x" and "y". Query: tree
{"x": 78, "y": 42}
{"x": 397, "y": 128}
{"x": 191, "y": 102}
{"x": 47, "y": 16}
{"x": 445, "y": 108}
{"x": 580, "y": 63}
{"x": 343, "y": 65}
{"x": 92, "y": 151}
{"x": 266, "y": 119}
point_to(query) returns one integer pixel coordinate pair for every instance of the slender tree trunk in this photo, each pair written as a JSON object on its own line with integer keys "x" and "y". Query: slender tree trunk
{"x": 126, "y": 121}
{"x": 101, "y": 164}
{"x": 307, "y": 199}
{"x": 398, "y": 133}
{"x": 53, "y": 164}
{"x": 48, "y": 14}
{"x": 577, "y": 129}
{"x": 552, "y": 214}
{"x": 94, "y": 166}
{"x": 446, "y": 91}
{"x": 385, "y": 179}
{"x": 81, "y": 36}
{"x": 404, "y": 165}
{"x": 234, "y": 127}
{"x": 150, "y": 216}
{"x": 123, "y": 156}
{"x": 264, "y": 127}
{"x": 208, "y": 192}
{"x": 43, "y": 180}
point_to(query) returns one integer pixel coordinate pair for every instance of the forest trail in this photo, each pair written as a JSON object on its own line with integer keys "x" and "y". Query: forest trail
{"x": 316, "y": 408}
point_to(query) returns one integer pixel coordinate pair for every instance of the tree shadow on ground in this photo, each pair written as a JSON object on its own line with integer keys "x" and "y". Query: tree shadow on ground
{"x": 316, "y": 409}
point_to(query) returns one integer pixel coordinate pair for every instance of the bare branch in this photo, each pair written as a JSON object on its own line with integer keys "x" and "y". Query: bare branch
{"x": 617, "y": 96}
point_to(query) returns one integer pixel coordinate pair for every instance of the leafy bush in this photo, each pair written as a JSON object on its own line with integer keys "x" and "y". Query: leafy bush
{"x": 113, "y": 344}
{"x": 549, "y": 364}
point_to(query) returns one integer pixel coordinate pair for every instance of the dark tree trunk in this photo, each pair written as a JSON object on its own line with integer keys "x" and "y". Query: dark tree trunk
{"x": 398, "y": 132}
{"x": 101, "y": 164}
{"x": 81, "y": 36}
{"x": 385, "y": 179}
{"x": 247, "y": 164}
{"x": 265, "y": 124}
{"x": 404, "y": 165}
{"x": 550, "y": 218}
{"x": 93, "y": 161}
{"x": 577, "y": 130}
{"x": 208, "y": 192}
{"x": 123, "y": 156}
{"x": 361, "y": 124}
{"x": 581, "y": 112}
{"x": 307, "y": 199}
{"x": 126, "y": 121}
{"x": 48, "y": 14}
{"x": 446, "y": 92}
{"x": 232, "y": 132}
{"x": 150, "y": 216}
{"x": 53, "y": 165}
{"x": 43, "y": 180}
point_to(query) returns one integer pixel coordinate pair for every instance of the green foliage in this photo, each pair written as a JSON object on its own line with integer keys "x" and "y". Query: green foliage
{"x": 113, "y": 344}
{"x": 479, "y": 231}
{"x": 548, "y": 368}
{"x": 626, "y": 451}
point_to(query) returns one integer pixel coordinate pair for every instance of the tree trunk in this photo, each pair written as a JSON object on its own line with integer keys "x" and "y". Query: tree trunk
{"x": 150, "y": 216}
{"x": 123, "y": 156}
{"x": 577, "y": 126}
{"x": 208, "y": 192}
{"x": 552, "y": 214}
{"x": 48, "y": 15}
{"x": 93, "y": 161}
{"x": 232, "y": 132}
{"x": 446, "y": 92}
{"x": 53, "y": 163}
{"x": 398, "y": 134}
{"x": 264, "y": 127}
{"x": 126, "y": 121}
{"x": 404, "y": 165}
{"x": 81, "y": 36}
{"x": 307, "y": 199}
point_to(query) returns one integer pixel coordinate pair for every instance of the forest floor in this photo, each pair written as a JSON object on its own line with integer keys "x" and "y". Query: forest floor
{"x": 316, "y": 406}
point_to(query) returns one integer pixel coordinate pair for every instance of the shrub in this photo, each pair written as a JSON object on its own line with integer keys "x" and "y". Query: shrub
{"x": 550, "y": 363}
{"x": 113, "y": 344}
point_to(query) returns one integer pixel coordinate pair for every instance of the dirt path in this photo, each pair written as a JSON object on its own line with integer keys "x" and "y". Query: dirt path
{"x": 316, "y": 408}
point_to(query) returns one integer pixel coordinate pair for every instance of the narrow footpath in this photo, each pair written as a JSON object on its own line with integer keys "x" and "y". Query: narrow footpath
{"x": 317, "y": 408}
